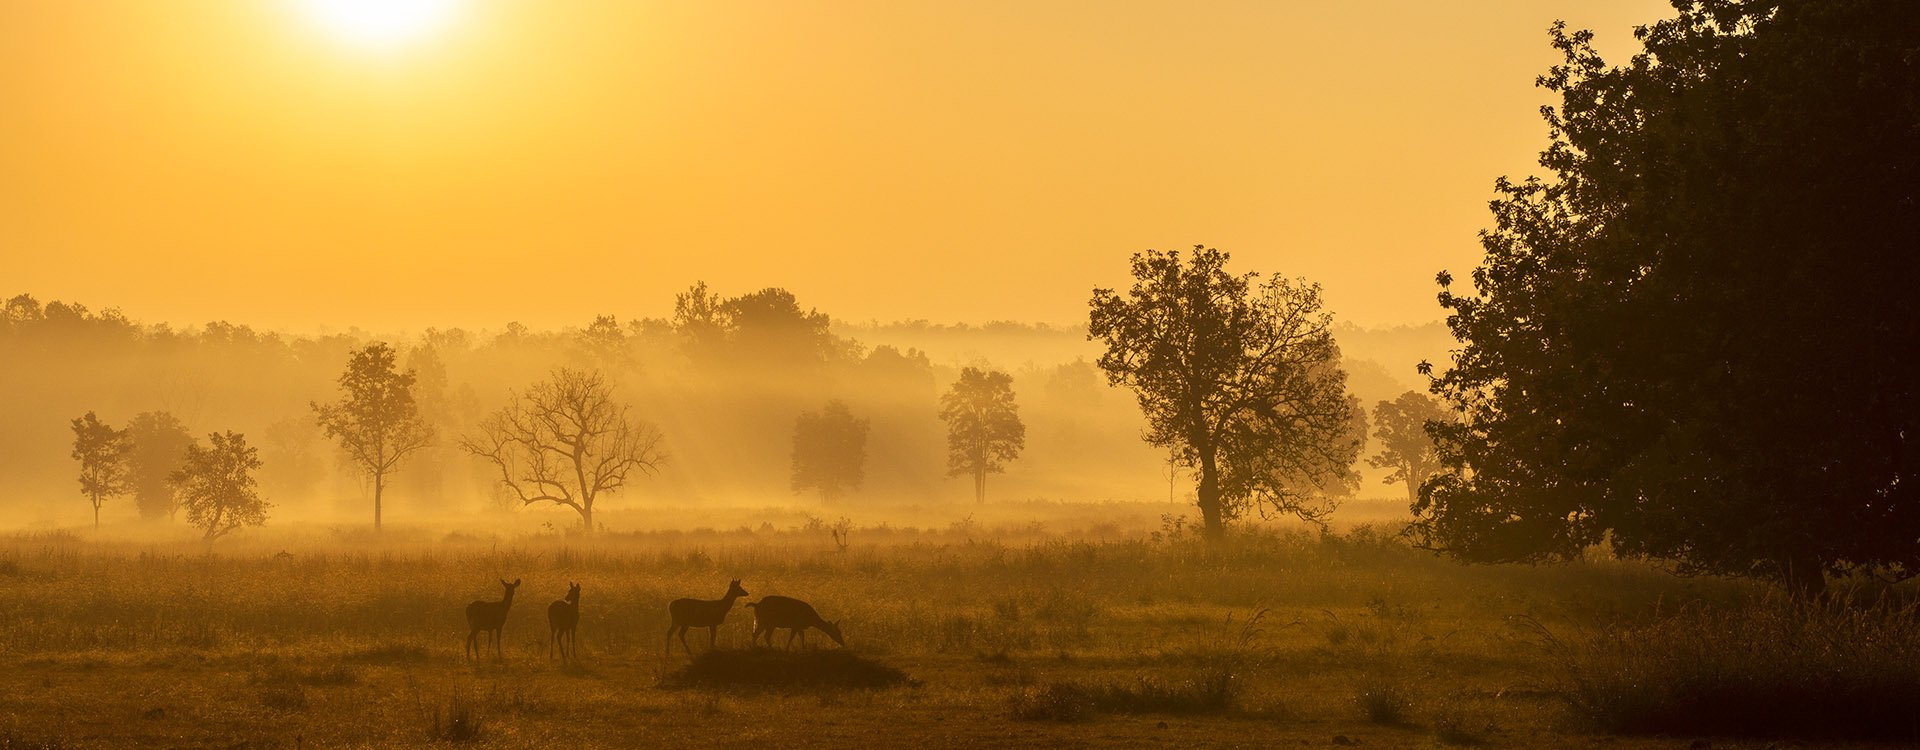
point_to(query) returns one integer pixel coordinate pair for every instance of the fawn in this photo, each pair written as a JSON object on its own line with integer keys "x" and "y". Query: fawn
{"x": 489, "y": 617}
{"x": 701, "y": 613}
{"x": 562, "y": 616}
{"x": 774, "y": 612}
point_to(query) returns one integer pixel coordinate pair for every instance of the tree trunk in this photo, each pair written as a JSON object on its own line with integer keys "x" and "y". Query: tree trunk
{"x": 1213, "y": 522}
{"x": 979, "y": 487}
{"x": 96, "y": 515}
{"x": 379, "y": 483}
{"x": 1413, "y": 492}
{"x": 1806, "y": 579}
{"x": 586, "y": 517}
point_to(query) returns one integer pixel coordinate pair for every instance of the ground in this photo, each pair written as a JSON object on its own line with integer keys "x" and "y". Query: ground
{"x": 1320, "y": 639}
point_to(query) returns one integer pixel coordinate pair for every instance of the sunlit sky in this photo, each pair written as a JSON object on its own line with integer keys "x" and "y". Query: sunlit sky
{"x": 265, "y": 162}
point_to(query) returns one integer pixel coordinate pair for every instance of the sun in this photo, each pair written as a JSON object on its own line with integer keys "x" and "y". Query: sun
{"x": 380, "y": 24}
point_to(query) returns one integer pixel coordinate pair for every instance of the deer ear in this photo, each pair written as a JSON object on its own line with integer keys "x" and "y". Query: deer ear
{"x": 516, "y": 581}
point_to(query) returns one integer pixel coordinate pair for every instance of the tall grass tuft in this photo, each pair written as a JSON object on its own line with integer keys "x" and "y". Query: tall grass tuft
{"x": 1773, "y": 669}
{"x": 1212, "y": 692}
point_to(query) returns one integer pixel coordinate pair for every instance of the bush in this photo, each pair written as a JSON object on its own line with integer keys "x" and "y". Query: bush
{"x": 1383, "y": 702}
{"x": 1777, "y": 669}
{"x": 1058, "y": 701}
{"x": 460, "y": 722}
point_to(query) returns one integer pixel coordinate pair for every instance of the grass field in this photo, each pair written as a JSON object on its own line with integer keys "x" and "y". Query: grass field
{"x": 1006, "y": 637}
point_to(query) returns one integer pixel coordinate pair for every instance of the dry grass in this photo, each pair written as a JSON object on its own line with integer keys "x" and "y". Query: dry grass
{"x": 1130, "y": 641}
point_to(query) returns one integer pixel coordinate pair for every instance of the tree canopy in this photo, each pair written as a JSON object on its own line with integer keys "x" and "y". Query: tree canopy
{"x": 1241, "y": 377}
{"x": 829, "y": 451}
{"x": 376, "y": 419}
{"x": 158, "y": 446}
{"x": 102, "y": 453}
{"x": 1406, "y": 450}
{"x": 217, "y": 488}
{"x": 1695, "y": 337}
{"x": 984, "y": 431}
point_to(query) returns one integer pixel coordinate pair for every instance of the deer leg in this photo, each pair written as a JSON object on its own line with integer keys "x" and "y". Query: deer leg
{"x": 791, "y": 632}
{"x": 683, "y": 639}
{"x": 713, "y": 636}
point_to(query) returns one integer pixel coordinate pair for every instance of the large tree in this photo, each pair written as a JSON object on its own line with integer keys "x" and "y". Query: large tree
{"x": 1406, "y": 449}
{"x": 984, "y": 431}
{"x": 1240, "y": 377}
{"x": 376, "y": 420}
{"x": 566, "y": 441}
{"x": 159, "y": 444}
{"x": 102, "y": 453}
{"x": 217, "y": 488}
{"x": 1696, "y": 336}
{"x": 829, "y": 451}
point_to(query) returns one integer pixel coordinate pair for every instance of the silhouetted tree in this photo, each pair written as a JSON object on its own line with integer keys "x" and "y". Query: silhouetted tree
{"x": 158, "y": 446}
{"x": 102, "y": 453}
{"x": 566, "y": 441}
{"x": 1401, "y": 427}
{"x": 1242, "y": 379}
{"x": 216, "y": 485}
{"x": 376, "y": 419}
{"x": 829, "y": 451}
{"x": 1696, "y": 338}
{"x": 983, "y": 426}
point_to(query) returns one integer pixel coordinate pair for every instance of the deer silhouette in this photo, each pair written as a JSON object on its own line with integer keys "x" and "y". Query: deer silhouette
{"x": 774, "y": 612}
{"x": 701, "y": 613}
{"x": 562, "y": 616}
{"x": 489, "y": 617}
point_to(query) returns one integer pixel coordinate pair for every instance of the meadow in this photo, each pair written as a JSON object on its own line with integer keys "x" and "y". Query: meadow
{"x": 1090, "y": 630}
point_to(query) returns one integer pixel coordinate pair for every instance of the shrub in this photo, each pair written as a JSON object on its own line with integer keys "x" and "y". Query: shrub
{"x": 1383, "y": 702}
{"x": 1775, "y": 669}
{"x": 460, "y": 722}
{"x": 1216, "y": 691}
{"x": 1058, "y": 701}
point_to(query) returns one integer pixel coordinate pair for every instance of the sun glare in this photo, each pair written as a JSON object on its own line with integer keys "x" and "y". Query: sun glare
{"x": 378, "y": 23}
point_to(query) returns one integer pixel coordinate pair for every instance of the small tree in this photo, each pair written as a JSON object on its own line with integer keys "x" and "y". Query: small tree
{"x": 1241, "y": 378}
{"x": 375, "y": 420}
{"x": 983, "y": 426}
{"x": 566, "y": 441}
{"x": 217, "y": 488}
{"x": 159, "y": 446}
{"x": 1405, "y": 447}
{"x": 102, "y": 453}
{"x": 829, "y": 451}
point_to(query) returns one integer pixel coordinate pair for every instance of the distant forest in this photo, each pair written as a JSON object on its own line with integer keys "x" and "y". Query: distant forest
{"x": 723, "y": 380}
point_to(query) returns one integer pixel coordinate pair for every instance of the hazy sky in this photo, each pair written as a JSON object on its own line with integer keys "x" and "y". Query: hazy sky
{"x": 957, "y": 161}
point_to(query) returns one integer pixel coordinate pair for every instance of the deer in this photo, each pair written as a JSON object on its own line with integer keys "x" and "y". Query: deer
{"x": 701, "y": 613}
{"x": 563, "y": 615}
{"x": 774, "y": 612}
{"x": 489, "y": 617}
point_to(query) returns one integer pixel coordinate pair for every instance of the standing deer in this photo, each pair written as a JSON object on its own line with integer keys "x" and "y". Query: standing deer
{"x": 774, "y": 612}
{"x": 488, "y": 617}
{"x": 701, "y": 613}
{"x": 562, "y": 616}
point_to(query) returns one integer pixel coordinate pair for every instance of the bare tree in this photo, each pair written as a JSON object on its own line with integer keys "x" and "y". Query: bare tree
{"x": 566, "y": 441}
{"x": 376, "y": 419}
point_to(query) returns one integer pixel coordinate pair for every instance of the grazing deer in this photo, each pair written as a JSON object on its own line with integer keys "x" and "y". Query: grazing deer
{"x": 774, "y": 612}
{"x": 488, "y": 617}
{"x": 701, "y": 613}
{"x": 562, "y": 616}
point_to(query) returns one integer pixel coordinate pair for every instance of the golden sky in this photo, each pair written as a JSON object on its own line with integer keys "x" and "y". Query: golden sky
{"x": 548, "y": 160}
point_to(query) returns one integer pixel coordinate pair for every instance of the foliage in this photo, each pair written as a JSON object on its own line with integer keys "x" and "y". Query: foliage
{"x": 1400, "y": 426}
{"x": 376, "y": 419}
{"x": 567, "y": 441}
{"x": 983, "y": 426}
{"x": 102, "y": 453}
{"x": 829, "y": 451}
{"x": 1696, "y": 337}
{"x": 1773, "y": 669}
{"x": 159, "y": 446}
{"x": 216, "y": 487}
{"x": 1242, "y": 378}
